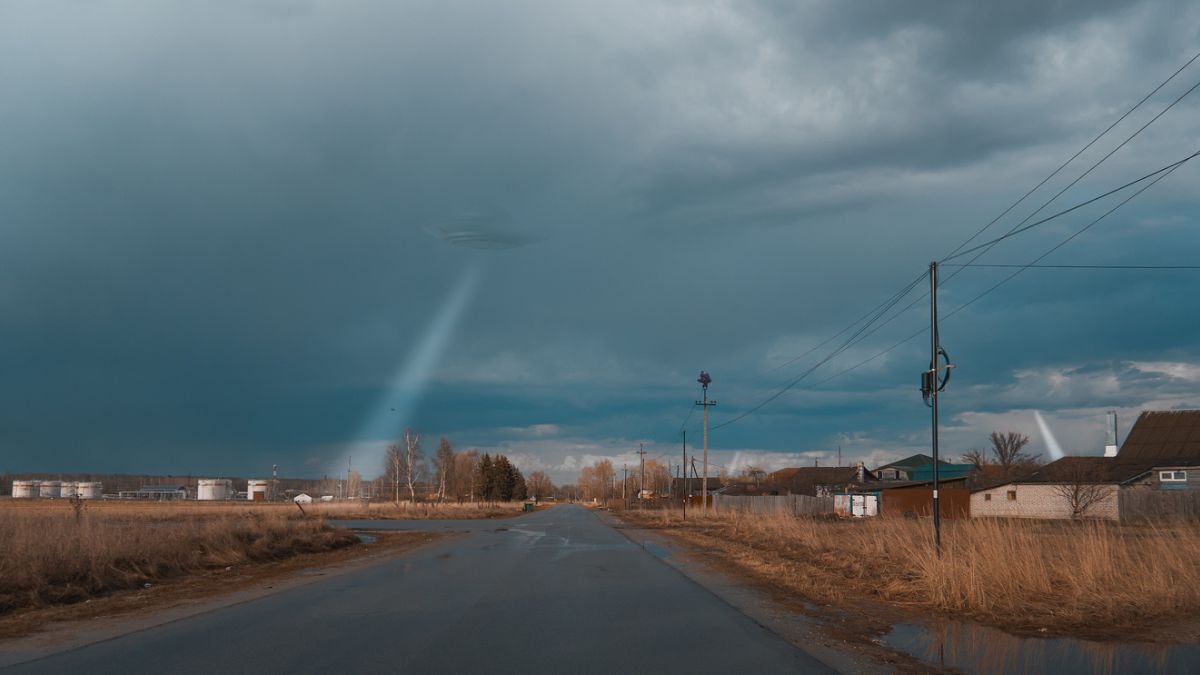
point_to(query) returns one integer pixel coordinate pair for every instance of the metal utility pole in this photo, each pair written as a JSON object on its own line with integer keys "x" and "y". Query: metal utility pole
{"x": 683, "y": 494}
{"x": 704, "y": 381}
{"x": 625, "y": 484}
{"x": 931, "y": 385}
{"x": 642, "y": 480}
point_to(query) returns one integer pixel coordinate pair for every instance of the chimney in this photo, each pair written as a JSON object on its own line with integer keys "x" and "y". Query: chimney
{"x": 1110, "y": 441}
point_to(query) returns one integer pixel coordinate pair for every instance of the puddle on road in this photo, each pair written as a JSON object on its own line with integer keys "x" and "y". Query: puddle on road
{"x": 972, "y": 648}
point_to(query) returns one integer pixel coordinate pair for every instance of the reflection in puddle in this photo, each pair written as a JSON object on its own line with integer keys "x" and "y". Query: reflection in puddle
{"x": 972, "y": 648}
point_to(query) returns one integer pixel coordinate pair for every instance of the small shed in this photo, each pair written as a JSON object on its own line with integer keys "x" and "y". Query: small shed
{"x": 302, "y": 499}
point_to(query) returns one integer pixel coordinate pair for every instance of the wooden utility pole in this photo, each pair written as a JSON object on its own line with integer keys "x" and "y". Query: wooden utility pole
{"x": 683, "y": 486}
{"x": 704, "y": 381}
{"x": 642, "y": 480}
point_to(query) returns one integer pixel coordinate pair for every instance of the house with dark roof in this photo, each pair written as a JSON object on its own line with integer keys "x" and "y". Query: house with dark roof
{"x": 1156, "y": 472}
{"x": 816, "y": 481}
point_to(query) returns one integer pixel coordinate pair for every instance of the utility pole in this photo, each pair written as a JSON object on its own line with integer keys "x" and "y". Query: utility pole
{"x": 625, "y": 485}
{"x": 931, "y": 385}
{"x": 704, "y": 381}
{"x": 683, "y": 494}
{"x": 642, "y": 480}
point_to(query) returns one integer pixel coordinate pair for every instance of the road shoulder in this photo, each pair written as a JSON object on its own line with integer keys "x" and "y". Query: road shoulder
{"x": 842, "y": 640}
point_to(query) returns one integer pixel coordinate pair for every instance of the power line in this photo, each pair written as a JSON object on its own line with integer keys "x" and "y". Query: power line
{"x": 875, "y": 315}
{"x": 895, "y": 299}
{"x": 1157, "y": 174}
{"x": 1022, "y": 268}
{"x": 689, "y": 416}
{"x": 1064, "y": 242}
{"x": 1084, "y": 267}
{"x": 1089, "y": 144}
{"x": 1018, "y": 228}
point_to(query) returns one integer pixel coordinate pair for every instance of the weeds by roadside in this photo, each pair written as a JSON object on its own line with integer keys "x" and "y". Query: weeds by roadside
{"x": 60, "y": 554}
{"x": 1065, "y": 576}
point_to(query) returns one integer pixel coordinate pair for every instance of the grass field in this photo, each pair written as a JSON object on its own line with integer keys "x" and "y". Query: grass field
{"x": 54, "y": 555}
{"x": 1091, "y": 578}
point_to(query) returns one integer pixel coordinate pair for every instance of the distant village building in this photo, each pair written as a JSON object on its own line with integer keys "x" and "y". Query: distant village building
{"x": 156, "y": 492}
{"x": 1155, "y": 474}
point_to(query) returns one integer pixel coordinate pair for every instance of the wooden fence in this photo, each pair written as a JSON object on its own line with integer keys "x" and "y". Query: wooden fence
{"x": 1157, "y": 505}
{"x": 792, "y": 505}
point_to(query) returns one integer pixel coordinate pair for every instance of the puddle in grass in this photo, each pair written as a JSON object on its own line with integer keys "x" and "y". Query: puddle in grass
{"x": 366, "y": 538}
{"x": 972, "y": 648}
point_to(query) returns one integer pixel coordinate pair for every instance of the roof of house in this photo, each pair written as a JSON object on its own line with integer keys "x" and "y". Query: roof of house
{"x": 1164, "y": 434}
{"x": 951, "y": 481}
{"x": 920, "y": 461}
{"x": 816, "y": 475}
{"x": 804, "y": 480}
{"x": 696, "y": 483}
{"x": 1090, "y": 470}
{"x": 913, "y": 462}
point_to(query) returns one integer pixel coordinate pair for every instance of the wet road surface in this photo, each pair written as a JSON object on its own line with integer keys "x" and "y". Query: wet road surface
{"x": 557, "y": 591}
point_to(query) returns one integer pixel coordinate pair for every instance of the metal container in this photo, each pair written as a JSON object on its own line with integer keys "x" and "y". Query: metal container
{"x": 50, "y": 488}
{"x": 90, "y": 489}
{"x": 69, "y": 489}
{"x": 214, "y": 489}
{"x": 256, "y": 490}
{"x": 26, "y": 489}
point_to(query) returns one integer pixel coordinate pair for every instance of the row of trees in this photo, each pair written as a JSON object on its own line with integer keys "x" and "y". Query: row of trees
{"x": 457, "y": 476}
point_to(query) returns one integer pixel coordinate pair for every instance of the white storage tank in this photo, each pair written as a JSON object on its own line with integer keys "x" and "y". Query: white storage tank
{"x": 69, "y": 489}
{"x": 89, "y": 489}
{"x": 256, "y": 490}
{"x": 50, "y": 488}
{"x": 26, "y": 489}
{"x": 214, "y": 489}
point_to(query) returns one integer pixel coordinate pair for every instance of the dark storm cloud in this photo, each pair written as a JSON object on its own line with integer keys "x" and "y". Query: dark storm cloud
{"x": 216, "y": 241}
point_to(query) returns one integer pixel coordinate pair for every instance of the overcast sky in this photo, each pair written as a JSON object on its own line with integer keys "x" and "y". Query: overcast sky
{"x": 236, "y": 234}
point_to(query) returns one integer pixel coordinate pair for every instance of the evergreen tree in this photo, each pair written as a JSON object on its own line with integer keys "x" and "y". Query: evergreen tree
{"x": 485, "y": 484}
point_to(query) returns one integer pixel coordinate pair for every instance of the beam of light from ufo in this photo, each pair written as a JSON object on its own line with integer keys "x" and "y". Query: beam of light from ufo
{"x": 1051, "y": 443}
{"x": 394, "y": 409}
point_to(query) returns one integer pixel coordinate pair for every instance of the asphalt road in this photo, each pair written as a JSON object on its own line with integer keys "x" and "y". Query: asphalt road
{"x": 557, "y": 591}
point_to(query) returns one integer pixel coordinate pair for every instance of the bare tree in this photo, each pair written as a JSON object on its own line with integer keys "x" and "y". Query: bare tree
{"x": 539, "y": 485}
{"x": 394, "y": 469}
{"x": 1007, "y": 450}
{"x": 1080, "y": 489}
{"x": 754, "y": 473}
{"x": 596, "y": 481}
{"x": 411, "y": 458}
{"x": 976, "y": 457}
{"x": 462, "y": 477}
{"x": 443, "y": 464}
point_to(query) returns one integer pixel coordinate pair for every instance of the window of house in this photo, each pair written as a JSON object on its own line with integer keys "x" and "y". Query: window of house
{"x": 987, "y": 497}
{"x": 1012, "y": 495}
{"x": 1172, "y": 476}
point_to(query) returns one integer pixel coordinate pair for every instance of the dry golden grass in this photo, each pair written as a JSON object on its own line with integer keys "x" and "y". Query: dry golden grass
{"x": 1090, "y": 576}
{"x": 54, "y": 555}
